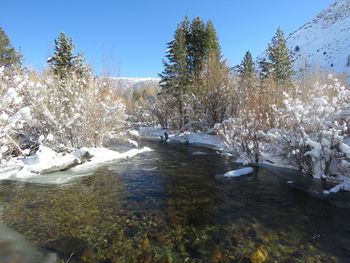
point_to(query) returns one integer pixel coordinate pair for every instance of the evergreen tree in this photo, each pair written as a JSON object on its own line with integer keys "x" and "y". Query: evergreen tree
{"x": 187, "y": 54}
{"x": 247, "y": 77}
{"x": 197, "y": 45}
{"x": 64, "y": 61}
{"x": 8, "y": 55}
{"x": 247, "y": 69}
{"x": 212, "y": 45}
{"x": 279, "y": 65}
{"x": 174, "y": 78}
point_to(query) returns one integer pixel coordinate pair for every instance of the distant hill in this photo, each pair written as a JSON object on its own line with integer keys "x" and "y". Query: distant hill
{"x": 324, "y": 42}
{"x": 126, "y": 86}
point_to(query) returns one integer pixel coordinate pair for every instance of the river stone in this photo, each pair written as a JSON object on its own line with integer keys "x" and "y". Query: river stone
{"x": 259, "y": 256}
{"x": 64, "y": 162}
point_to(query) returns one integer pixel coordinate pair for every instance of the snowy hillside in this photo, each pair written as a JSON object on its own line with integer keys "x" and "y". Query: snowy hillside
{"x": 135, "y": 83}
{"x": 126, "y": 86}
{"x": 325, "y": 41}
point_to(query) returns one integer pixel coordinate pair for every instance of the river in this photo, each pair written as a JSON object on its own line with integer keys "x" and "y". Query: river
{"x": 174, "y": 205}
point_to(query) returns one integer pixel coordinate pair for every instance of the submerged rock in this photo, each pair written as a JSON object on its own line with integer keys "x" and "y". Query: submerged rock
{"x": 259, "y": 256}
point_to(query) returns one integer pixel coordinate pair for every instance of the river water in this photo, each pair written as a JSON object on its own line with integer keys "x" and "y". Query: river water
{"x": 174, "y": 205}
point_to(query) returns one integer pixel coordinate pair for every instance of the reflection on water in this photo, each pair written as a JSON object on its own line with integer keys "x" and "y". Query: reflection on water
{"x": 169, "y": 206}
{"x": 13, "y": 248}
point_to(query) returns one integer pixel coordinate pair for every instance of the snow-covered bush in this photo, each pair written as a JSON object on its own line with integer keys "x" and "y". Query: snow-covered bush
{"x": 157, "y": 110}
{"x": 245, "y": 131}
{"x": 78, "y": 111}
{"x": 64, "y": 114}
{"x": 138, "y": 115}
{"x": 310, "y": 132}
{"x": 244, "y": 134}
{"x": 15, "y": 113}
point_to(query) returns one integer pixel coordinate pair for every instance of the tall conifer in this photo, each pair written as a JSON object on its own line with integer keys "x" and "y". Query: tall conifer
{"x": 8, "y": 54}
{"x": 197, "y": 45}
{"x": 212, "y": 42}
{"x": 246, "y": 68}
{"x": 64, "y": 61}
{"x": 279, "y": 65}
{"x": 194, "y": 42}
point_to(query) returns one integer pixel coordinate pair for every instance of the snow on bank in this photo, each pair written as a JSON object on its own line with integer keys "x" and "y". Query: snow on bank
{"x": 214, "y": 142}
{"x": 239, "y": 172}
{"x": 134, "y": 133}
{"x": 150, "y": 132}
{"x": 195, "y": 139}
{"x": 345, "y": 186}
{"x": 47, "y": 161}
{"x": 199, "y": 139}
{"x": 103, "y": 155}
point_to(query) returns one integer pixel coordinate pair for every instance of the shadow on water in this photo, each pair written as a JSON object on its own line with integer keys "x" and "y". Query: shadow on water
{"x": 169, "y": 205}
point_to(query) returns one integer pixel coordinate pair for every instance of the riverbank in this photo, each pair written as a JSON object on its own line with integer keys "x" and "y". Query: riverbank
{"x": 339, "y": 184}
{"x": 46, "y": 161}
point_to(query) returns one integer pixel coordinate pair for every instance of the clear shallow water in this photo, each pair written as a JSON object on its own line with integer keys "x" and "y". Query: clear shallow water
{"x": 171, "y": 205}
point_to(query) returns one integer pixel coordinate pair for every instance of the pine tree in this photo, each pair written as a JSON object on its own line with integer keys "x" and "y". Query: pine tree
{"x": 212, "y": 42}
{"x": 197, "y": 45}
{"x": 64, "y": 61}
{"x": 247, "y": 78}
{"x": 193, "y": 43}
{"x": 279, "y": 65}
{"x": 187, "y": 54}
{"x": 247, "y": 69}
{"x": 8, "y": 55}
{"x": 174, "y": 78}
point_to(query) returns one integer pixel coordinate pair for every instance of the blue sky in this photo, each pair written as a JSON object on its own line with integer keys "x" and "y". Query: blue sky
{"x": 128, "y": 38}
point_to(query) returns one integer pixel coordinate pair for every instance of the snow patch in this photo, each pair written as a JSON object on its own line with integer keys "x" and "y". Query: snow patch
{"x": 345, "y": 186}
{"x": 134, "y": 133}
{"x": 132, "y": 142}
{"x": 47, "y": 161}
{"x": 103, "y": 155}
{"x": 152, "y": 131}
{"x": 239, "y": 172}
{"x": 199, "y": 139}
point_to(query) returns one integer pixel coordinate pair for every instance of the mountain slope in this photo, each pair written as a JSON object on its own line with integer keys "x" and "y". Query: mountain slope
{"x": 325, "y": 41}
{"x": 126, "y": 86}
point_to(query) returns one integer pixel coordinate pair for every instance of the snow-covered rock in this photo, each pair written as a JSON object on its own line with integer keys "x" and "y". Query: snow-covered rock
{"x": 134, "y": 133}
{"x": 199, "y": 139}
{"x": 239, "y": 172}
{"x": 54, "y": 162}
{"x": 344, "y": 186}
{"x": 103, "y": 155}
{"x": 47, "y": 161}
